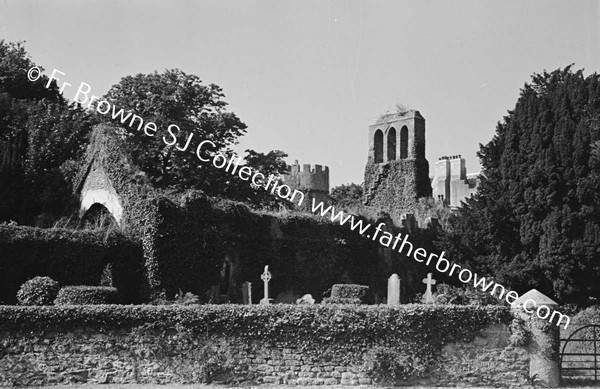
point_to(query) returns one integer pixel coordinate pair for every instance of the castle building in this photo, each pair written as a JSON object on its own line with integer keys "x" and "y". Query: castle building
{"x": 312, "y": 181}
{"x": 397, "y": 173}
{"x": 451, "y": 183}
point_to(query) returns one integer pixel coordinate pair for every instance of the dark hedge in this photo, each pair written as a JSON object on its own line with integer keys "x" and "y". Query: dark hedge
{"x": 82, "y": 294}
{"x": 70, "y": 257}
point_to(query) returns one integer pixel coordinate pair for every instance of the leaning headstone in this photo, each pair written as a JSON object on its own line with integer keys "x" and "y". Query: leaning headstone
{"x": 306, "y": 299}
{"x": 247, "y": 292}
{"x": 393, "y": 297}
{"x": 429, "y": 281}
{"x": 266, "y": 277}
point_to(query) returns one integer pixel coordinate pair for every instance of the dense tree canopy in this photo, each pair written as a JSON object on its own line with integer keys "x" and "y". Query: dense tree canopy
{"x": 187, "y": 112}
{"x": 535, "y": 221}
{"x": 347, "y": 196}
{"x": 41, "y": 139}
{"x": 178, "y": 99}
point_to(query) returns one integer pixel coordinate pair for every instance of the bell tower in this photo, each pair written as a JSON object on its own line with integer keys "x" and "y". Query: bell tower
{"x": 397, "y": 173}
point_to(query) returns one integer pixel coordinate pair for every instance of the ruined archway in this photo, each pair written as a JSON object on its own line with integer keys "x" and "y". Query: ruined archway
{"x": 404, "y": 143}
{"x": 107, "y": 198}
{"x": 391, "y": 144}
{"x": 98, "y": 216}
{"x": 378, "y": 143}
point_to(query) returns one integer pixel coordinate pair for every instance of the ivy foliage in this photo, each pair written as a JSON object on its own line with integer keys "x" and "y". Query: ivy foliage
{"x": 323, "y": 331}
{"x": 42, "y": 138}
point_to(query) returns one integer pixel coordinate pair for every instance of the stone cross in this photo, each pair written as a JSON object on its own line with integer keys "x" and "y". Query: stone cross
{"x": 393, "y": 297}
{"x": 429, "y": 282}
{"x": 247, "y": 292}
{"x": 266, "y": 276}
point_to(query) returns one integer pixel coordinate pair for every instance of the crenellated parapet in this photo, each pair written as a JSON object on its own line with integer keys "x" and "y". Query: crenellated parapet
{"x": 308, "y": 177}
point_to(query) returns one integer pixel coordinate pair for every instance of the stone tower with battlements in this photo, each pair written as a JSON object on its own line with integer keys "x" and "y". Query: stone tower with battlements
{"x": 312, "y": 181}
{"x": 397, "y": 173}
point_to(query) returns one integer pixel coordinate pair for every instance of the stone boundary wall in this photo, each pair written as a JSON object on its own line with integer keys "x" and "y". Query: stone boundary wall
{"x": 126, "y": 356}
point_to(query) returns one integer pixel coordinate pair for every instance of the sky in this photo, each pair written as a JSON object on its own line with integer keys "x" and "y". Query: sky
{"x": 308, "y": 77}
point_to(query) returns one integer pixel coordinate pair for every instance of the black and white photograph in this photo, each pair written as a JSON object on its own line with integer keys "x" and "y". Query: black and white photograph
{"x": 279, "y": 194}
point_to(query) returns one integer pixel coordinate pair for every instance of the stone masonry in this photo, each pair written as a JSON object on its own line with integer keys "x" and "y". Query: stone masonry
{"x": 124, "y": 356}
{"x": 397, "y": 173}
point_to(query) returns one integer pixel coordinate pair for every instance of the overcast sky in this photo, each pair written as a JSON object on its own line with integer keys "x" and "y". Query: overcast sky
{"x": 308, "y": 77}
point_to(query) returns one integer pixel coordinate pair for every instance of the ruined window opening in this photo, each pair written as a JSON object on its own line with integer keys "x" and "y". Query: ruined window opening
{"x": 404, "y": 143}
{"x": 378, "y": 157}
{"x": 391, "y": 144}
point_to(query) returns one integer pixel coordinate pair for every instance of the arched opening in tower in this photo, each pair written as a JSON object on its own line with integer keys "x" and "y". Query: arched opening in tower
{"x": 391, "y": 144}
{"x": 98, "y": 216}
{"x": 404, "y": 143}
{"x": 378, "y": 157}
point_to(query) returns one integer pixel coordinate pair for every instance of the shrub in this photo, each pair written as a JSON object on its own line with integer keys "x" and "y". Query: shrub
{"x": 69, "y": 257}
{"x": 83, "y": 294}
{"x": 446, "y": 294}
{"x": 340, "y": 300}
{"x": 38, "y": 291}
{"x": 180, "y": 299}
{"x": 350, "y": 291}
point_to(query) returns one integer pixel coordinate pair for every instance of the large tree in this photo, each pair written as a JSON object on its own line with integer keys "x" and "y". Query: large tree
{"x": 41, "y": 139}
{"x": 535, "y": 221}
{"x": 194, "y": 112}
{"x": 182, "y": 100}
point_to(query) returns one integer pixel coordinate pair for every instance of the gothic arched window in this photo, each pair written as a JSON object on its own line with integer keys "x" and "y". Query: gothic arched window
{"x": 378, "y": 140}
{"x": 391, "y": 144}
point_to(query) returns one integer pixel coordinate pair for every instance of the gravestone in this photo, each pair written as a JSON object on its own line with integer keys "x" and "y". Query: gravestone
{"x": 247, "y": 292}
{"x": 266, "y": 277}
{"x": 429, "y": 281}
{"x": 306, "y": 299}
{"x": 393, "y": 297}
{"x": 410, "y": 223}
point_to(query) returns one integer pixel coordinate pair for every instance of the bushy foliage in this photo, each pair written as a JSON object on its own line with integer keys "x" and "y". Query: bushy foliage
{"x": 349, "y": 291}
{"x": 180, "y": 298}
{"x": 38, "y": 291}
{"x": 390, "y": 365}
{"x": 186, "y": 112}
{"x": 465, "y": 295}
{"x": 341, "y": 300}
{"x": 347, "y": 196}
{"x": 84, "y": 294}
{"x": 69, "y": 257}
{"x": 535, "y": 221}
{"x": 41, "y": 140}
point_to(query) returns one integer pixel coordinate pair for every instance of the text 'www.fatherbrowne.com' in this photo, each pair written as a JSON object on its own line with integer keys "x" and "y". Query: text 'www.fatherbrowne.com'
{"x": 401, "y": 243}
{"x": 207, "y": 152}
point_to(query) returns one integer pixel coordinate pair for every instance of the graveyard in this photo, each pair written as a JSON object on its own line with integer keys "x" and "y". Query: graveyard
{"x": 152, "y": 238}
{"x": 234, "y": 316}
